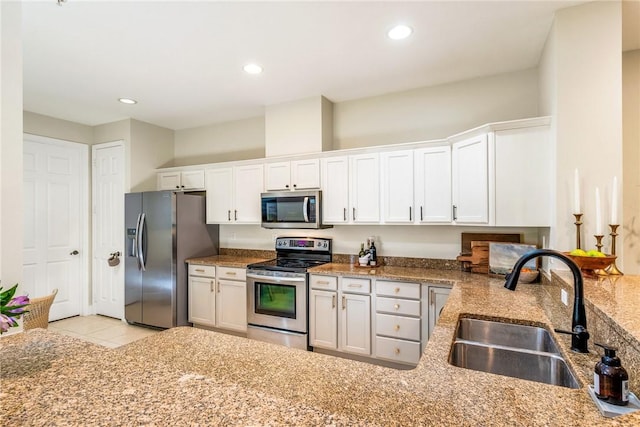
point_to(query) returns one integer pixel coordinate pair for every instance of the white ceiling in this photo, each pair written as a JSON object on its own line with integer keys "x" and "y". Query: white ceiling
{"x": 183, "y": 61}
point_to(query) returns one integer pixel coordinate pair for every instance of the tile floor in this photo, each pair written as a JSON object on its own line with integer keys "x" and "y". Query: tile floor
{"x": 102, "y": 330}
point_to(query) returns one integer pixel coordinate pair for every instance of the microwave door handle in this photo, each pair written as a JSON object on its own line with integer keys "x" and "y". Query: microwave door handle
{"x": 305, "y": 209}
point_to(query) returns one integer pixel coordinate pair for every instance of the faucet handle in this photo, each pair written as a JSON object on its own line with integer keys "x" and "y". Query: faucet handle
{"x": 579, "y": 338}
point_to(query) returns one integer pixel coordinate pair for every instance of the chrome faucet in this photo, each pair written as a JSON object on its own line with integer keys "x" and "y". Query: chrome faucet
{"x": 579, "y": 333}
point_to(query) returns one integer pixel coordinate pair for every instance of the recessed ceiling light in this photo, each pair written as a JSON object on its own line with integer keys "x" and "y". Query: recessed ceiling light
{"x": 399, "y": 32}
{"x": 127, "y": 101}
{"x": 252, "y": 69}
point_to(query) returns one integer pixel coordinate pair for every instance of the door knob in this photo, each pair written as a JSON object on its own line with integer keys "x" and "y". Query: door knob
{"x": 74, "y": 252}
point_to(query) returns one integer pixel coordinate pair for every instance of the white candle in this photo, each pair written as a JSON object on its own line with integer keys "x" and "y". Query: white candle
{"x": 598, "y": 219}
{"x": 576, "y": 194}
{"x": 614, "y": 201}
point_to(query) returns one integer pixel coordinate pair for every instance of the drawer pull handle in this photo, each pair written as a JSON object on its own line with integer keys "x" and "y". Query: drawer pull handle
{"x": 344, "y": 303}
{"x": 200, "y": 270}
{"x": 397, "y": 328}
{"x": 322, "y": 282}
{"x": 354, "y": 285}
{"x": 397, "y": 351}
{"x": 333, "y": 301}
{"x": 213, "y": 285}
{"x": 396, "y": 290}
{"x": 396, "y": 306}
{"x": 230, "y": 273}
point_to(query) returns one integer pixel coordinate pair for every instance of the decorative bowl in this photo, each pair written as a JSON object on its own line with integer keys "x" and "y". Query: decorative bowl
{"x": 589, "y": 263}
{"x": 528, "y": 276}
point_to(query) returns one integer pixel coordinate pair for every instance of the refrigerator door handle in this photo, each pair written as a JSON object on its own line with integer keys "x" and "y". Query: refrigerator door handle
{"x": 140, "y": 235}
{"x": 134, "y": 241}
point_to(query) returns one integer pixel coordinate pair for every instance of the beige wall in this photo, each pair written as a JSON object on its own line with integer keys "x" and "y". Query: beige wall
{"x": 580, "y": 78}
{"x": 236, "y": 140}
{"x": 10, "y": 143}
{"x": 631, "y": 162}
{"x": 151, "y": 148}
{"x": 38, "y": 124}
{"x": 435, "y": 112}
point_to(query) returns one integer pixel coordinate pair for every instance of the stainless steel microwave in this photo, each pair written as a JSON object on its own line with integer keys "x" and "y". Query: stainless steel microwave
{"x": 292, "y": 209}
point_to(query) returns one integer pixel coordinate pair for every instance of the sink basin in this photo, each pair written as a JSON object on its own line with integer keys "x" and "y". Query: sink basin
{"x": 519, "y": 351}
{"x": 506, "y": 334}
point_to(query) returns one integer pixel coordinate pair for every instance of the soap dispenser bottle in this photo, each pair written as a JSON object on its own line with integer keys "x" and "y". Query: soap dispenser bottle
{"x": 610, "y": 379}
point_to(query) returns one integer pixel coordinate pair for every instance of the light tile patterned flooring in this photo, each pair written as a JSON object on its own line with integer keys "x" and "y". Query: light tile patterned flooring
{"x": 102, "y": 330}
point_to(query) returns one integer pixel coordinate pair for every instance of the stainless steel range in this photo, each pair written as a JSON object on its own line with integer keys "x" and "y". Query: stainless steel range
{"x": 278, "y": 289}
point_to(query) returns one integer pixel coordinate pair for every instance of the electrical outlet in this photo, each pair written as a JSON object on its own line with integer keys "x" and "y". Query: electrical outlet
{"x": 564, "y": 297}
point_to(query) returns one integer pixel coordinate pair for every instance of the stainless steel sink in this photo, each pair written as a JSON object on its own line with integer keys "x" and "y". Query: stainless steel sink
{"x": 518, "y": 351}
{"x": 507, "y": 334}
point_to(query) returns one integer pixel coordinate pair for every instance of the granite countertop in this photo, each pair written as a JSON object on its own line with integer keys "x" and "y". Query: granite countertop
{"x": 225, "y": 260}
{"x": 187, "y": 376}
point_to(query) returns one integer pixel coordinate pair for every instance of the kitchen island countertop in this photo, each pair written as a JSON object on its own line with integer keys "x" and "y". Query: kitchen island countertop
{"x": 188, "y": 376}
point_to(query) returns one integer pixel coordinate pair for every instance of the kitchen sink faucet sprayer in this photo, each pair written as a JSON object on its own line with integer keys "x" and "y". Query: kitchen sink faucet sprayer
{"x": 579, "y": 333}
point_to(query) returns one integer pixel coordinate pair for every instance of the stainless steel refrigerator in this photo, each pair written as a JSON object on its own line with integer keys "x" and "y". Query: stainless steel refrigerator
{"x": 162, "y": 229}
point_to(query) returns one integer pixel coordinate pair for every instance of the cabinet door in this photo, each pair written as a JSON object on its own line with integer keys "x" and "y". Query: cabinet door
{"x": 305, "y": 174}
{"x": 231, "y": 305}
{"x": 168, "y": 181}
{"x": 192, "y": 180}
{"x": 471, "y": 181}
{"x": 433, "y": 184}
{"x": 523, "y": 177}
{"x": 323, "y": 319}
{"x": 364, "y": 177}
{"x": 335, "y": 190}
{"x": 278, "y": 176}
{"x": 248, "y": 184}
{"x": 219, "y": 185}
{"x": 397, "y": 186}
{"x": 202, "y": 307}
{"x": 437, "y": 299}
{"x": 355, "y": 324}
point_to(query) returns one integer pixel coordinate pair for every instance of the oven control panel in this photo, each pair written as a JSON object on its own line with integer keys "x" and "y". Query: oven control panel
{"x": 303, "y": 243}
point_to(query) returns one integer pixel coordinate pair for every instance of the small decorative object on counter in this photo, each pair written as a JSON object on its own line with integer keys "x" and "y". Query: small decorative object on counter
{"x": 362, "y": 252}
{"x": 11, "y": 308}
{"x": 373, "y": 261}
{"x": 610, "y": 379}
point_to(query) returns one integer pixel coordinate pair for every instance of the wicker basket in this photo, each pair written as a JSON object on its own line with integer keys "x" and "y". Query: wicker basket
{"x": 38, "y": 314}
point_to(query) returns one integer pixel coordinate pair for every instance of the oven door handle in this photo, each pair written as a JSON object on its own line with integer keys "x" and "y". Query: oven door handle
{"x": 276, "y": 279}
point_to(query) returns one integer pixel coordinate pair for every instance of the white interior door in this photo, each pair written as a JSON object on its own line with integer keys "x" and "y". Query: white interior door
{"x": 54, "y": 179}
{"x": 108, "y": 228}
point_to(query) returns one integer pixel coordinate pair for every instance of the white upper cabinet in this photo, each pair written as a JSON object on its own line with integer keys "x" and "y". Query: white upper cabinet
{"x": 293, "y": 175}
{"x": 364, "y": 180}
{"x": 397, "y": 181}
{"x": 523, "y": 177}
{"x": 433, "y": 185}
{"x": 335, "y": 190}
{"x": 181, "y": 180}
{"x": 233, "y": 194}
{"x": 470, "y": 180}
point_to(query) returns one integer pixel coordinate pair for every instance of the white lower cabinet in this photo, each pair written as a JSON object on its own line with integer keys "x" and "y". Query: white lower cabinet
{"x": 231, "y": 301}
{"x": 398, "y": 321}
{"x": 218, "y": 301}
{"x": 340, "y": 316}
{"x": 202, "y": 295}
{"x": 376, "y": 318}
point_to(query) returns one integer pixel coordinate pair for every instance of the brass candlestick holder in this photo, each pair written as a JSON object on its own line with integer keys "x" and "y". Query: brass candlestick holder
{"x": 599, "y": 272}
{"x": 612, "y": 269}
{"x": 578, "y": 223}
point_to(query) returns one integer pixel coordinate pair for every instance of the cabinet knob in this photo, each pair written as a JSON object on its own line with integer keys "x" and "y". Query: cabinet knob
{"x": 397, "y": 328}
{"x": 396, "y": 306}
{"x": 397, "y": 350}
{"x": 396, "y": 290}
{"x": 295, "y": 185}
{"x": 286, "y": 186}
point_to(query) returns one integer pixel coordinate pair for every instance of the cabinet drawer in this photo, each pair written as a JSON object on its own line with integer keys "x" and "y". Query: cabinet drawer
{"x": 398, "y": 350}
{"x": 355, "y": 285}
{"x": 232, "y": 273}
{"x": 398, "y": 326}
{"x": 328, "y": 283}
{"x": 202, "y": 270}
{"x": 407, "y": 307}
{"x": 398, "y": 289}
